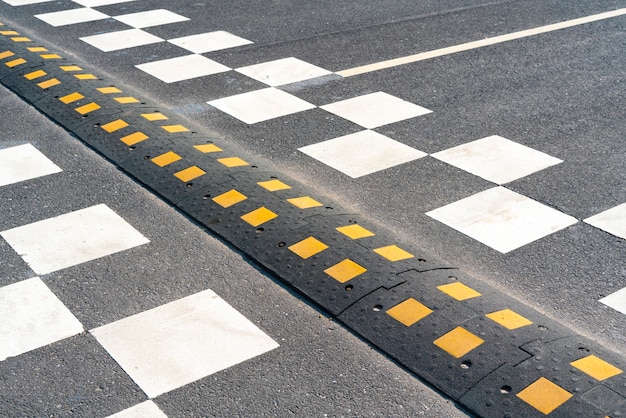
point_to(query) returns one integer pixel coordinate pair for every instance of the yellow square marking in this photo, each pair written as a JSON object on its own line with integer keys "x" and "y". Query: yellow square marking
{"x": 304, "y": 202}
{"x": 37, "y": 49}
{"x": 6, "y": 54}
{"x": 190, "y": 173}
{"x": 126, "y": 100}
{"x": 409, "y": 312}
{"x": 175, "y": 128}
{"x": 544, "y": 395}
{"x": 21, "y": 39}
{"x": 459, "y": 291}
{"x": 8, "y": 32}
{"x": 274, "y": 185}
{"x": 134, "y": 138}
{"x": 15, "y": 63}
{"x": 70, "y": 68}
{"x": 109, "y": 90}
{"x": 509, "y": 319}
{"x": 259, "y": 216}
{"x": 458, "y": 342}
{"x": 90, "y": 107}
{"x": 166, "y": 159}
{"x": 229, "y": 198}
{"x": 50, "y": 56}
{"x": 232, "y": 162}
{"x": 345, "y": 270}
{"x": 308, "y": 247}
{"x": 85, "y": 76}
{"x": 71, "y": 98}
{"x": 116, "y": 125}
{"x": 596, "y": 367}
{"x": 207, "y": 148}
{"x": 393, "y": 253}
{"x": 35, "y": 74}
{"x": 355, "y": 231}
{"x": 154, "y": 116}
{"x": 49, "y": 83}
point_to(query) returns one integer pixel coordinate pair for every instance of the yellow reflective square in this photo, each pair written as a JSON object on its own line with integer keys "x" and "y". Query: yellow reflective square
{"x": 509, "y": 319}
{"x": 116, "y": 125}
{"x": 232, "y": 162}
{"x": 304, "y": 202}
{"x": 308, "y": 247}
{"x": 134, "y": 138}
{"x": 175, "y": 128}
{"x": 274, "y": 185}
{"x": 259, "y": 216}
{"x": 190, "y": 173}
{"x": 458, "y": 342}
{"x": 207, "y": 148}
{"x": 458, "y": 291}
{"x": 355, "y": 231}
{"x": 229, "y": 198}
{"x": 596, "y": 367}
{"x": 409, "y": 312}
{"x": 166, "y": 159}
{"x": 345, "y": 270}
{"x": 393, "y": 253}
{"x": 544, "y": 395}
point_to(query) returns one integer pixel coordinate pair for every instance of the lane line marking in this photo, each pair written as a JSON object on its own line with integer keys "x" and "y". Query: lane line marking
{"x": 478, "y": 44}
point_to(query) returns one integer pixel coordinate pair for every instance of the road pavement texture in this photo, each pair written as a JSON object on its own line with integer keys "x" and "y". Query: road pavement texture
{"x": 484, "y": 349}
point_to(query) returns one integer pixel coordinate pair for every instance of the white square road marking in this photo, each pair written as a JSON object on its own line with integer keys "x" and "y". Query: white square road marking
{"x": 375, "y": 109}
{"x": 24, "y": 2}
{"x": 497, "y": 159}
{"x": 150, "y": 18}
{"x": 612, "y": 221}
{"x": 178, "y": 343}
{"x": 24, "y": 162}
{"x": 502, "y": 219}
{"x": 182, "y": 68}
{"x": 97, "y": 3}
{"x": 260, "y": 105}
{"x": 72, "y": 239}
{"x": 283, "y": 71}
{"x": 362, "y": 153}
{"x": 114, "y": 41}
{"x": 147, "y": 409}
{"x": 73, "y": 16}
{"x": 208, "y": 42}
{"x": 616, "y": 300}
{"x": 32, "y": 317}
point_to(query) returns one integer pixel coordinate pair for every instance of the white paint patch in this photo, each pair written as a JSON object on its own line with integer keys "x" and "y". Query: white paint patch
{"x": 283, "y": 71}
{"x": 72, "y": 239}
{"x": 362, "y": 153}
{"x": 375, "y": 109}
{"x": 97, "y": 3}
{"x": 71, "y": 17}
{"x": 178, "y": 343}
{"x": 616, "y": 300}
{"x": 209, "y": 42}
{"x": 114, "y": 41}
{"x": 502, "y": 219}
{"x": 497, "y": 159}
{"x": 24, "y": 162}
{"x": 147, "y": 409}
{"x": 32, "y": 317}
{"x": 612, "y": 221}
{"x": 182, "y": 68}
{"x": 261, "y": 105}
{"x": 150, "y": 18}
{"x": 24, "y": 2}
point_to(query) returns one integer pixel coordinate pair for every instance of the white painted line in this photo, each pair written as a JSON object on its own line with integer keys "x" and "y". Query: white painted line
{"x": 478, "y": 44}
{"x": 72, "y": 239}
{"x": 209, "y": 42}
{"x": 180, "y": 342}
{"x": 97, "y": 3}
{"x": 612, "y": 221}
{"x": 150, "y": 18}
{"x": 182, "y": 68}
{"x": 32, "y": 317}
{"x": 71, "y": 17}
{"x": 283, "y": 71}
{"x": 24, "y": 162}
{"x": 114, "y": 41}
{"x": 25, "y": 2}
{"x": 616, "y": 300}
{"x": 147, "y": 409}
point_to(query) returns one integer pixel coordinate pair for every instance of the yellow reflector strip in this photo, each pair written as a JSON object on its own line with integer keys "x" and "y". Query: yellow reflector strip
{"x": 355, "y": 231}
{"x": 274, "y": 185}
{"x": 544, "y": 395}
{"x": 166, "y": 159}
{"x": 8, "y": 32}
{"x": 458, "y": 291}
{"x": 308, "y": 247}
{"x": 50, "y": 56}
{"x": 21, "y": 39}
{"x": 596, "y": 367}
{"x": 259, "y": 216}
{"x": 70, "y": 98}
{"x": 85, "y": 76}
{"x": 49, "y": 83}
{"x": 190, "y": 173}
{"x": 207, "y": 148}
{"x": 109, "y": 90}
{"x": 116, "y": 125}
{"x": 90, "y": 107}
{"x": 6, "y": 54}
{"x": 154, "y": 116}
{"x": 409, "y": 312}
{"x": 126, "y": 100}
{"x": 37, "y": 49}
{"x": 175, "y": 128}
{"x": 15, "y": 63}
{"x": 509, "y": 319}
{"x": 70, "y": 68}
{"x": 232, "y": 162}
{"x": 229, "y": 198}
{"x": 134, "y": 138}
{"x": 345, "y": 270}
{"x": 304, "y": 202}
{"x": 458, "y": 342}
{"x": 35, "y": 74}
{"x": 393, "y": 253}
